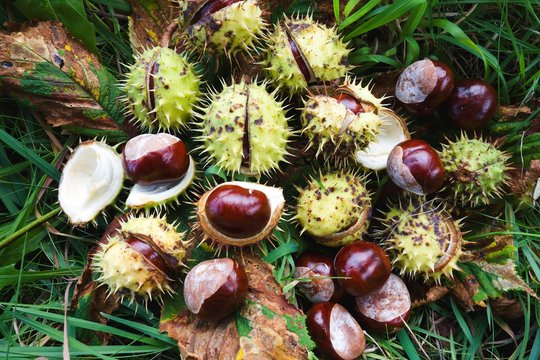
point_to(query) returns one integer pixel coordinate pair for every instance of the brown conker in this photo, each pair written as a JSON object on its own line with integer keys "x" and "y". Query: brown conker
{"x": 362, "y": 267}
{"x": 350, "y": 102}
{"x": 424, "y": 85}
{"x": 215, "y": 288}
{"x": 151, "y": 252}
{"x": 211, "y": 7}
{"x": 319, "y": 269}
{"x": 471, "y": 105}
{"x": 385, "y": 309}
{"x": 335, "y": 331}
{"x": 415, "y": 166}
{"x": 155, "y": 158}
{"x": 299, "y": 58}
{"x": 238, "y": 212}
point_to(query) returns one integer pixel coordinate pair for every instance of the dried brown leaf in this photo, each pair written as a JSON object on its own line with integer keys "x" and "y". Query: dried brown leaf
{"x": 148, "y": 22}
{"x": 265, "y": 309}
{"x": 431, "y": 294}
{"x": 523, "y": 183}
{"x": 464, "y": 291}
{"x": 507, "y": 308}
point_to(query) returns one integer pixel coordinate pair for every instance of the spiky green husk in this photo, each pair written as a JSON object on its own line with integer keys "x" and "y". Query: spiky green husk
{"x": 126, "y": 272}
{"x": 322, "y": 47}
{"x": 332, "y": 203}
{"x": 223, "y": 125}
{"x": 176, "y": 89}
{"x": 235, "y": 28}
{"x": 476, "y": 170}
{"x": 418, "y": 234}
{"x": 338, "y": 131}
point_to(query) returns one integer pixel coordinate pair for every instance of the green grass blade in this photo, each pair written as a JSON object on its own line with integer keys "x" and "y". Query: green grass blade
{"x": 391, "y": 13}
{"x": 29, "y": 154}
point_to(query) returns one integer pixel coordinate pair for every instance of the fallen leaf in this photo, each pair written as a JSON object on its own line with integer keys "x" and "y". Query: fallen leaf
{"x": 485, "y": 280}
{"x": 497, "y": 249}
{"x": 431, "y": 294}
{"x": 44, "y": 68}
{"x": 69, "y": 12}
{"x": 467, "y": 292}
{"x": 148, "y": 21}
{"x": 266, "y": 327}
{"x": 525, "y": 185}
{"x": 513, "y": 111}
{"x": 507, "y": 308}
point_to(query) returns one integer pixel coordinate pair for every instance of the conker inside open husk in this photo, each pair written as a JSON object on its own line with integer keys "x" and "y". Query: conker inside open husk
{"x": 239, "y": 213}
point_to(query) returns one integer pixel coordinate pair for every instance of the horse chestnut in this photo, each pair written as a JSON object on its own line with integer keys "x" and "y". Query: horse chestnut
{"x": 471, "y": 105}
{"x": 386, "y": 309}
{"x": 211, "y": 7}
{"x": 155, "y": 158}
{"x": 415, "y": 166}
{"x": 335, "y": 331}
{"x": 238, "y": 212}
{"x": 319, "y": 269}
{"x": 362, "y": 267}
{"x": 424, "y": 85}
{"x": 214, "y": 289}
{"x": 350, "y": 102}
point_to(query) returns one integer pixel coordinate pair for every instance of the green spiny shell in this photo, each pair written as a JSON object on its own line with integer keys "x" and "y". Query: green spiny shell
{"x": 336, "y": 130}
{"x": 321, "y": 46}
{"x": 126, "y": 271}
{"x": 163, "y": 234}
{"x": 175, "y": 89}
{"x": 422, "y": 238}
{"x": 223, "y": 126}
{"x": 332, "y": 204}
{"x": 476, "y": 170}
{"x": 229, "y": 30}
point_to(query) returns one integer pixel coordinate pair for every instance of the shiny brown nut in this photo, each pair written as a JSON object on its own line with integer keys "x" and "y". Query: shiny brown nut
{"x": 216, "y": 288}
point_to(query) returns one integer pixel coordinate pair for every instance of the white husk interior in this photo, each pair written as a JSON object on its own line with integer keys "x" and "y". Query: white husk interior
{"x": 392, "y": 132}
{"x": 146, "y": 195}
{"x": 91, "y": 180}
